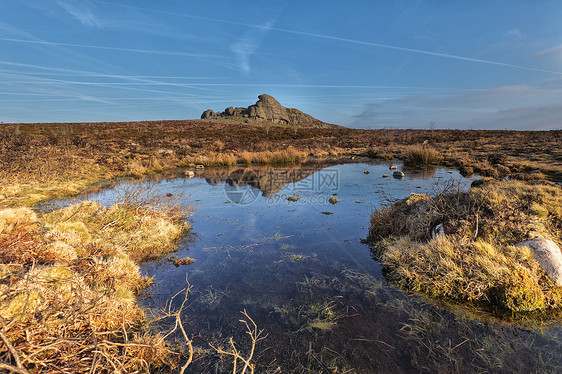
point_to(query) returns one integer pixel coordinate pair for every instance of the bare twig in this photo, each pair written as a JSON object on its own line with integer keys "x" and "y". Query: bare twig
{"x": 11, "y": 348}
{"x": 13, "y": 369}
{"x": 255, "y": 336}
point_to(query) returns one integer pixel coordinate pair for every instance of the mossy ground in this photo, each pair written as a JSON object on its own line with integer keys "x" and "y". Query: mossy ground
{"x": 475, "y": 260}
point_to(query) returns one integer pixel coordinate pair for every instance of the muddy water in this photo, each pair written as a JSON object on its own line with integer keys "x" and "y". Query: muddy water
{"x": 300, "y": 271}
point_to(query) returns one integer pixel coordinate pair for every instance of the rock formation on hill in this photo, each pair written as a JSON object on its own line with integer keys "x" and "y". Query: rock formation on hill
{"x": 267, "y": 109}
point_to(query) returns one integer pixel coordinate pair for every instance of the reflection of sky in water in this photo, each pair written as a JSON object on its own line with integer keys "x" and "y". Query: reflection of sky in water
{"x": 298, "y": 267}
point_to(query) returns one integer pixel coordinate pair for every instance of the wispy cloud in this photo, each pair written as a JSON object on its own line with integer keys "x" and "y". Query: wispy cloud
{"x": 134, "y": 50}
{"x": 247, "y": 45}
{"x": 555, "y": 52}
{"x": 340, "y": 39}
{"x": 82, "y": 11}
{"x": 50, "y": 50}
{"x": 511, "y": 107}
{"x": 515, "y": 34}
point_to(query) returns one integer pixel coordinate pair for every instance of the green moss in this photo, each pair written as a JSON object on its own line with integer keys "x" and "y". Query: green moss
{"x": 78, "y": 229}
{"x": 22, "y": 303}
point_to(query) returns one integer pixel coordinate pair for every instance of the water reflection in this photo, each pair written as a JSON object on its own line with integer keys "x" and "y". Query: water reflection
{"x": 267, "y": 179}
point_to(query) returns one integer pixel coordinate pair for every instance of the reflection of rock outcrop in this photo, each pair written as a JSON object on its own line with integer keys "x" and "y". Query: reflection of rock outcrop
{"x": 267, "y": 109}
{"x": 269, "y": 180}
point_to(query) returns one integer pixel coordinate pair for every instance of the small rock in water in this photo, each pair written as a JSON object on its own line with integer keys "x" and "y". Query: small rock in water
{"x": 398, "y": 175}
{"x": 200, "y": 167}
{"x": 393, "y": 167}
{"x": 181, "y": 261}
{"x": 189, "y": 174}
{"x": 293, "y": 198}
{"x": 385, "y": 176}
{"x": 169, "y": 194}
{"x": 333, "y": 200}
{"x": 366, "y": 172}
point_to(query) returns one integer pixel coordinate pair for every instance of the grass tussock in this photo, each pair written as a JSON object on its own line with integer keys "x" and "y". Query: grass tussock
{"x": 474, "y": 259}
{"x": 68, "y": 281}
{"x": 422, "y": 156}
{"x": 289, "y": 156}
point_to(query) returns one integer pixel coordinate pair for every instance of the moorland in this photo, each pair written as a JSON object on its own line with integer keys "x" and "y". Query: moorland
{"x": 48, "y": 259}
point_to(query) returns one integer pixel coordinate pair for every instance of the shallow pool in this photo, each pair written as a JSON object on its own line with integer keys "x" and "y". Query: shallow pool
{"x": 300, "y": 271}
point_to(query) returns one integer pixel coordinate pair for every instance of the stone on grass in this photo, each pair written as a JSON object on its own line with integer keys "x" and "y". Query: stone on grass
{"x": 548, "y": 255}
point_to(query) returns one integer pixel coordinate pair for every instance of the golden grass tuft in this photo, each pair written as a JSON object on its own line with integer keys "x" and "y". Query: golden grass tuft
{"x": 422, "y": 156}
{"x": 476, "y": 259}
{"x": 18, "y": 217}
{"x": 68, "y": 281}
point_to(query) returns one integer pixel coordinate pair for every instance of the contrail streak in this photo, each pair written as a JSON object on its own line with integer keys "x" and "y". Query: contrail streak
{"x": 41, "y": 80}
{"x": 345, "y": 40}
{"x": 147, "y": 51}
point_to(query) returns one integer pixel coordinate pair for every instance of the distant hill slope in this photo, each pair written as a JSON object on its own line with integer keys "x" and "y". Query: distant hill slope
{"x": 268, "y": 109}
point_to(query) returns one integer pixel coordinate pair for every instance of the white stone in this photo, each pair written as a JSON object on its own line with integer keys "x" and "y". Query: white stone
{"x": 438, "y": 230}
{"x": 548, "y": 255}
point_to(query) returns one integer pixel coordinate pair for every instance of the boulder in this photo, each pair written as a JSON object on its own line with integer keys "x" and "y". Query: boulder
{"x": 548, "y": 255}
{"x": 209, "y": 114}
{"x": 398, "y": 175}
{"x": 268, "y": 109}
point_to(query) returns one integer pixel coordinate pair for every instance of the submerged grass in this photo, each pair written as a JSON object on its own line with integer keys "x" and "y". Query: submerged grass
{"x": 68, "y": 281}
{"x": 474, "y": 257}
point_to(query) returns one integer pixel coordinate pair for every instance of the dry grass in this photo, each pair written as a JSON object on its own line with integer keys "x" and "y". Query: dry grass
{"x": 422, "y": 156}
{"x": 68, "y": 281}
{"x": 246, "y": 362}
{"x": 288, "y": 156}
{"x": 476, "y": 259}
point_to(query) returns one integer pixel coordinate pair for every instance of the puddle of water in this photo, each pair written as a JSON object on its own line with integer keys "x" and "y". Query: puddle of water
{"x": 301, "y": 272}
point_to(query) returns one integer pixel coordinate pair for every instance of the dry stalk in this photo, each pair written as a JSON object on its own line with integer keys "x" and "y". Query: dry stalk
{"x": 255, "y": 336}
{"x": 145, "y": 196}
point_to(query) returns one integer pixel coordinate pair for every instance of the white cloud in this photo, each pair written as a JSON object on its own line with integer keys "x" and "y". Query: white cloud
{"x": 511, "y": 107}
{"x": 248, "y": 44}
{"x": 555, "y": 52}
{"x": 515, "y": 34}
{"x": 81, "y": 11}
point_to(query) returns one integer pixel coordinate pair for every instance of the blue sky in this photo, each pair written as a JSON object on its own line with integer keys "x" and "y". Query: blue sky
{"x": 367, "y": 64}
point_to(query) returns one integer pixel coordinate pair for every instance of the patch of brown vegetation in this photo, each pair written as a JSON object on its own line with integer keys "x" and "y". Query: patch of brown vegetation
{"x": 39, "y": 161}
{"x": 68, "y": 281}
{"x": 473, "y": 257}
